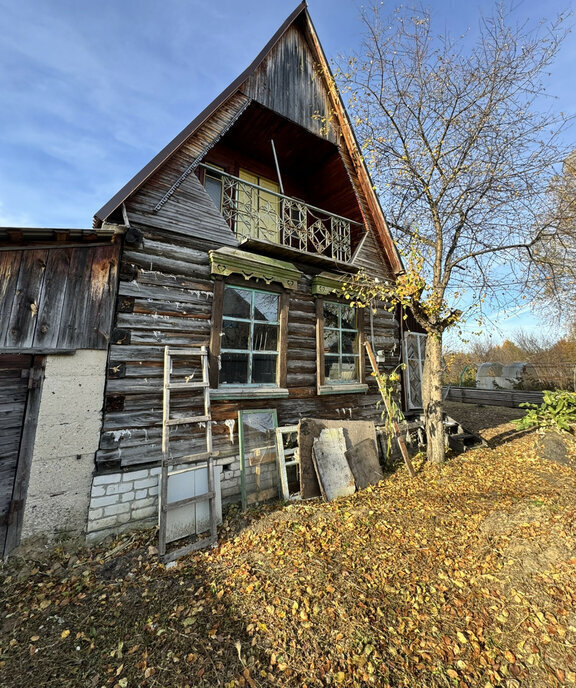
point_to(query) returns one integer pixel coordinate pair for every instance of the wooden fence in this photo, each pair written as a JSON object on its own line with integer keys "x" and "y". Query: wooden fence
{"x": 497, "y": 397}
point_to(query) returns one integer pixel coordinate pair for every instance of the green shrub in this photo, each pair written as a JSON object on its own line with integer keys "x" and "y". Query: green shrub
{"x": 558, "y": 410}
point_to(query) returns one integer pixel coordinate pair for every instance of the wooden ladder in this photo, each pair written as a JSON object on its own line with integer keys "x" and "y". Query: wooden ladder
{"x": 188, "y": 462}
{"x": 395, "y": 426}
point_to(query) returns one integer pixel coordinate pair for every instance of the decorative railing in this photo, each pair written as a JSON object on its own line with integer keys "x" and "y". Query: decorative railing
{"x": 254, "y": 212}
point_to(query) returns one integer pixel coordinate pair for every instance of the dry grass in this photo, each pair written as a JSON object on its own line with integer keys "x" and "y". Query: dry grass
{"x": 464, "y": 576}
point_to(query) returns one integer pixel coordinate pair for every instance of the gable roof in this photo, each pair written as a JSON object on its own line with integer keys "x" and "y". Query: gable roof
{"x": 300, "y": 14}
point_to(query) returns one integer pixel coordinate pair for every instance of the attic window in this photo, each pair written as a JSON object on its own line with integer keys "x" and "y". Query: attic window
{"x": 213, "y": 185}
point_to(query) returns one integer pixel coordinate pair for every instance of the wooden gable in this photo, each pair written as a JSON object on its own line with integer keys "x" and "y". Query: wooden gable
{"x": 290, "y": 77}
{"x": 290, "y": 82}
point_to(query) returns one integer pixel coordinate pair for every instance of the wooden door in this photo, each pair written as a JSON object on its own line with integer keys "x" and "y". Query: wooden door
{"x": 19, "y": 399}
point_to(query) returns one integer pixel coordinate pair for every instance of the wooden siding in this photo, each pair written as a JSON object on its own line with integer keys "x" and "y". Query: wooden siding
{"x": 370, "y": 258}
{"x": 56, "y": 299}
{"x": 173, "y": 198}
{"x": 13, "y": 393}
{"x": 289, "y": 82}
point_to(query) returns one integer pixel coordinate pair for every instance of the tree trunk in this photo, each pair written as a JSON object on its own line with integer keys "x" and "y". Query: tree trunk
{"x": 432, "y": 399}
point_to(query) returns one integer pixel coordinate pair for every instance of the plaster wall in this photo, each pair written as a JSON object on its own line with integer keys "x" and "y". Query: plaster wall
{"x": 67, "y": 436}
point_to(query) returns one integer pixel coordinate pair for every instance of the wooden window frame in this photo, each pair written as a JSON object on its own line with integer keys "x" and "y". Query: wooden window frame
{"x": 240, "y": 391}
{"x": 354, "y": 387}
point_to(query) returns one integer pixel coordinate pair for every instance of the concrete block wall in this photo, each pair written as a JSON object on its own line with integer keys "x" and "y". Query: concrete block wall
{"x": 122, "y": 501}
{"x": 67, "y": 436}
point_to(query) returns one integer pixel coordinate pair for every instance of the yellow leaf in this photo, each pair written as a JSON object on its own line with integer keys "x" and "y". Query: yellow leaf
{"x": 461, "y": 637}
{"x": 65, "y": 633}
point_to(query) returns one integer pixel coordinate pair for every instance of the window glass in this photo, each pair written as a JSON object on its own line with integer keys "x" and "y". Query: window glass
{"x": 265, "y": 306}
{"x": 250, "y": 337}
{"x": 237, "y": 302}
{"x": 235, "y": 334}
{"x": 234, "y": 368}
{"x": 331, "y": 311}
{"x": 265, "y": 337}
{"x": 349, "y": 342}
{"x": 348, "y": 316}
{"x": 214, "y": 188}
{"x": 264, "y": 368}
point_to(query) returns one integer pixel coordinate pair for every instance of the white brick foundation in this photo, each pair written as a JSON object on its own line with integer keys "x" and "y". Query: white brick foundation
{"x": 129, "y": 500}
{"x": 122, "y": 501}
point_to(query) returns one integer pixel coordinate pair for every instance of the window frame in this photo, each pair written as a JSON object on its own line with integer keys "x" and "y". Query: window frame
{"x": 238, "y": 390}
{"x": 340, "y": 387}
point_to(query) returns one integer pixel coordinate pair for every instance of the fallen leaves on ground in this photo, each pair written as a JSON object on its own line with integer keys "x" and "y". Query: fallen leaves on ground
{"x": 464, "y": 576}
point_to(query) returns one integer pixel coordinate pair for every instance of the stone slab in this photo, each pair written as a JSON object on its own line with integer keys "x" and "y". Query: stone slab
{"x": 355, "y": 432}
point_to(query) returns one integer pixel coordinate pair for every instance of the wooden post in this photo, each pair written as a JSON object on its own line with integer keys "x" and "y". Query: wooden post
{"x": 395, "y": 426}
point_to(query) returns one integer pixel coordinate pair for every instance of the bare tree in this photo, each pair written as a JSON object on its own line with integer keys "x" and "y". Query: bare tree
{"x": 556, "y": 256}
{"x": 462, "y": 158}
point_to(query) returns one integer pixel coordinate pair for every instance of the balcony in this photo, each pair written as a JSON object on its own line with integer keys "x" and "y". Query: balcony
{"x": 262, "y": 215}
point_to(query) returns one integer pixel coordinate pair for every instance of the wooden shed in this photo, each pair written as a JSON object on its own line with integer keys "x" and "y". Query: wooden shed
{"x": 57, "y": 291}
{"x": 238, "y": 236}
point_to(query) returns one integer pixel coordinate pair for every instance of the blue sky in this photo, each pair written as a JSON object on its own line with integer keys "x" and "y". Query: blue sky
{"x": 91, "y": 91}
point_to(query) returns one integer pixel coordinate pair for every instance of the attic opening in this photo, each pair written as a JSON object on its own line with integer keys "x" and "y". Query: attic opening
{"x": 303, "y": 200}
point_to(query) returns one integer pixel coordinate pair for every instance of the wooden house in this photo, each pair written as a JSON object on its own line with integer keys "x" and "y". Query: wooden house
{"x": 238, "y": 235}
{"x": 57, "y": 292}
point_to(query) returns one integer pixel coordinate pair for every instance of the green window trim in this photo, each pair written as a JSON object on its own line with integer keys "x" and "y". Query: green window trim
{"x": 227, "y": 261}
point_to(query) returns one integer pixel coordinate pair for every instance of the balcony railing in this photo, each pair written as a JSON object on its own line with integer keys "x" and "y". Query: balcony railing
{"x": 254, "y": 212}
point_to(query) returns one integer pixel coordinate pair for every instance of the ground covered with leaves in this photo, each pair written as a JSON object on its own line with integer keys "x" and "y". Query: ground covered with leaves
{"x": 463, "y": 576}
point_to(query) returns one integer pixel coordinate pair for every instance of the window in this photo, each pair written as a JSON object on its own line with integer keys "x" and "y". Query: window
{"x": 249, "y": 342}
{"x": 340, "y": 343}
{"x": 340, "y": 365}
{"x": 213, "y": 185}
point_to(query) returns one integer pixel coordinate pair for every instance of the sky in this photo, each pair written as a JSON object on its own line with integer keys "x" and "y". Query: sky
{"x": 91, "y": 91}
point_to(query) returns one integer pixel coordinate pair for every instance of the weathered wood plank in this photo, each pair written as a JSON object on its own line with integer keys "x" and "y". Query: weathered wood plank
{"x": 154, "y": 263}
{"x": 9, "y": 269}
{"x": 154, "y": 292}
{"x": 23, "y": 317}
{"x": 504, "y": 397}
{"x": 51, "y": 306}
{"x": 364, "y": 464}
{"x": 163, "y": 323}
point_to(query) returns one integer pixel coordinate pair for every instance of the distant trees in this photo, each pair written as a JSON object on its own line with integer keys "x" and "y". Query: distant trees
{"x": 554, "y": 360}
{"x": 463, "y": 160}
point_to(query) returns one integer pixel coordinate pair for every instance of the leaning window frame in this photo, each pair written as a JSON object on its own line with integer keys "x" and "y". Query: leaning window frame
{"x": 340, "y": 387}
{"x": 249, "y": 390}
